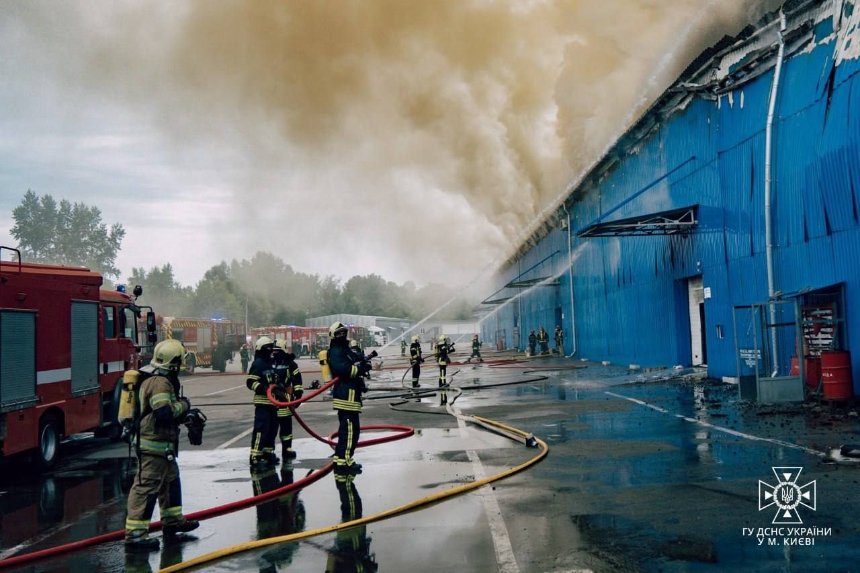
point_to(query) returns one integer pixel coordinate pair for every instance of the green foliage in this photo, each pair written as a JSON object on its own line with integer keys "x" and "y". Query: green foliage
{"x": 273, "y": 294}
{"x": 66, "y": 233}
{"x": 162, "y": 292}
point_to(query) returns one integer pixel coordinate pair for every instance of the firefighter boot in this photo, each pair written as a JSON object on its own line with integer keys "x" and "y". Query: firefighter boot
{"x": 184, "y": 526}
{"x": 287, "y": 452}
{"x": 139, "y": 540}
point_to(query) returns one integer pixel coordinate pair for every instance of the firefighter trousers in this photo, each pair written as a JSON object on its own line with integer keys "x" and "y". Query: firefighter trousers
{"x": 285, "y": 429}
{"x": 157, "y": 480}
{"x": 416, "y": 374}
{"x": 347, "y": 437}
{"x": 443, "y": 384}
{"x": 265, "y": 432}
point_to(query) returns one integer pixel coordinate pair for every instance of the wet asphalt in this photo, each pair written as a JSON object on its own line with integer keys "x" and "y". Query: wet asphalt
{"x": 647, "y": 471}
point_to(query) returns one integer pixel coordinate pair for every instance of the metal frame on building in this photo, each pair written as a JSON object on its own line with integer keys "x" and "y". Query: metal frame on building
{"x": 671, "y": 222}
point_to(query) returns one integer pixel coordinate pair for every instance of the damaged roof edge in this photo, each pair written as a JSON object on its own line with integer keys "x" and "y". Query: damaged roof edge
{"x": 749, "y": 46}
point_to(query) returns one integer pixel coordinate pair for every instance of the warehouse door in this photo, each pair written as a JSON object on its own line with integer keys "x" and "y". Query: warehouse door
{"x": 696, "y": 298}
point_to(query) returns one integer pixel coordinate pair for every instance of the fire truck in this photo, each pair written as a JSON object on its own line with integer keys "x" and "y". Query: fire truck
{"x": 300, "y": 338}
{"x": 309, "y": 340}
{"x": 64, "y": 346}
{"x": 210, "y": 342}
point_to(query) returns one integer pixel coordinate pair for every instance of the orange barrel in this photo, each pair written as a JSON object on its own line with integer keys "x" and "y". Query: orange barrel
{"x": 836, "y": 375}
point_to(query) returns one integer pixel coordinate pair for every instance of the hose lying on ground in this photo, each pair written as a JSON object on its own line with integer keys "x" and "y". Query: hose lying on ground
{"x": 513, "y": 433}
{"x": 405, "y": 508}
{"x": 403, "y": 432}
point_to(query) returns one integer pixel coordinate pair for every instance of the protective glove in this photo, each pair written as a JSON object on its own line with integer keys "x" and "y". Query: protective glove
{"x": 297, "y": 394}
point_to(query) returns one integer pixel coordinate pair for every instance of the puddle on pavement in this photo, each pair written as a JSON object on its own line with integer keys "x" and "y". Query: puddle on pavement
{"x": 87, "y": 501}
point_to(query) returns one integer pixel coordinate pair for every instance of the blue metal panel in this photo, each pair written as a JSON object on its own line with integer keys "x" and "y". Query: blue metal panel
{"x": 629, "y": 292}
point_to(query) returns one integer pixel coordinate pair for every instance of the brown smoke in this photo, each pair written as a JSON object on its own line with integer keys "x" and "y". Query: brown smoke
{"x": 437, "y": 130}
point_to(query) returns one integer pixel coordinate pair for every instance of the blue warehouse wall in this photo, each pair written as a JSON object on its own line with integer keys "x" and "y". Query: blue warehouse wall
{"x": 630, "y": 292}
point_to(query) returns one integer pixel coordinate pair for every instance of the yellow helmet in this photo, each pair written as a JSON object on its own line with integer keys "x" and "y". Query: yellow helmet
{"x": 414, "y": 339}
{"x": 168, "y": 355}
{"x": 337, "y": 330}
{"x": 263, "y": 342}
{"x": 442, "y": 338}
{"x": 281, "y": 344}
{"x": 353, "y": 343}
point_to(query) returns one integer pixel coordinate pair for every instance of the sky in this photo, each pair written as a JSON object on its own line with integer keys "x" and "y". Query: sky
{"x": 420, "y": 141}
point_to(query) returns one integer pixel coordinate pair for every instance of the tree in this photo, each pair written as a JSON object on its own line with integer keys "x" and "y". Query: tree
{"x": 66, "y": 233}
{"x": 161, "y": 291}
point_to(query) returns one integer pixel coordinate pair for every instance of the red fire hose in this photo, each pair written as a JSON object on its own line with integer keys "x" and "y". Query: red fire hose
{"x": 402, "y": 432}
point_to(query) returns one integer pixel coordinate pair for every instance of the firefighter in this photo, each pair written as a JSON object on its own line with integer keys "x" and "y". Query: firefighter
{"x": 261, "y": 375}
{"x": 349, "y": 369}
{"x": 403, "y": 346}
{"x": 532, "y": 342}
{"x": 416, "y": 360}
{"x": 244, "y": 356}
{"x": 290, "y": 384}
{"x": 559, "y": 340}
{"x": 443, "y": 349}
{"x": 543, "y": 339}
{"x": 157, "y": 480}
{"x": 356, "y": 347}
{"x": 476, "y": 349}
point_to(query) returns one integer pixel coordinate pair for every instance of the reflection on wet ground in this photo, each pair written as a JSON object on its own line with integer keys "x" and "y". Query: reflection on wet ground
{"x": 627, "y": 486}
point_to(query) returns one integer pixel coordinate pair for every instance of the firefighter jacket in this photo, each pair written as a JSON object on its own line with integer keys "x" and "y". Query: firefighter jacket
{"x": 476, "y": 345}
{"x": 415, "y": 354}
{"x": 289, "y": 377}
{"x": 542, "y": 336}
{"x": 260, "y": 376}
{"x": 347, "y": 367}
{"x": 442, "y": 351}
{"x": 161, "y": 413}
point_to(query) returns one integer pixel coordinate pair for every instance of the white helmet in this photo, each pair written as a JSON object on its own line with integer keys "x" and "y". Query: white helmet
{"x": 338, "y": 330}
{"x": 168, "y": 355}
{"x": 263, "y": 342}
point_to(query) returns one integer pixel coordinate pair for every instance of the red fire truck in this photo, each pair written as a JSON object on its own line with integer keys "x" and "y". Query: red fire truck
{"x": 308, "y": 340}
{"x": 64, "y": 346}
{"x": 210, "y": 342}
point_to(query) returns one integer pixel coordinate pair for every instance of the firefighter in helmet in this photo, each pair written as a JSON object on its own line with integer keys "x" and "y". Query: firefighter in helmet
{"x": 349, "y": 368}
{"x": 532, "y": 342}
{"x": 157, "y": 480}
{"x": 289, "y": 384}
{"x": 415, "y": 359}
{"x": 559, "y": 339}
{"x": 543, "y": 340}
{"x": 260, "y": 376}
{"x": 403, "y": 346}
{"x": 444, "y": 347}
{"x": 476, "y": 349}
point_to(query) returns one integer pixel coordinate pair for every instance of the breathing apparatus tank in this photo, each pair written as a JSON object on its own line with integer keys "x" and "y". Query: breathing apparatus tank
{"x": 325, "y": 371}
{"x": 127, "y": 397}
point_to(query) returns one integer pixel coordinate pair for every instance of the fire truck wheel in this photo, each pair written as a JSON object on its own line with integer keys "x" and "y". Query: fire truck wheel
{"x": 49, "y": 441}
{"x": 190, "y": 363}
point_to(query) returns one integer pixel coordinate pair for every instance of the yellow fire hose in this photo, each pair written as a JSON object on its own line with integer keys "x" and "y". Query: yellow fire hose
{"x": 411, "y": 506}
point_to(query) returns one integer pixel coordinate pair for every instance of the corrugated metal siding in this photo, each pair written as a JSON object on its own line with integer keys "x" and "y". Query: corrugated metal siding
{"x": 630, "y": 292}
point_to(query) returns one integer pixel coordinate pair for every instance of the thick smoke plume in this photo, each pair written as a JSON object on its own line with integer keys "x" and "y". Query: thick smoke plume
{"x": 423, "y": 136}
